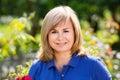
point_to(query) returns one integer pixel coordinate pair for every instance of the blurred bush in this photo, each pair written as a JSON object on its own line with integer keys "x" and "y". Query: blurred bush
{"x": 97, "y": 43}
{"x": 16, "y": 43}
{"x": 16, "y": 38}
{"x": 20, "y": 38}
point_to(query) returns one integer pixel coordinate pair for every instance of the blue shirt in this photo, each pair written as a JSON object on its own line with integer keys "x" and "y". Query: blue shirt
{"x": 79, "y": 68}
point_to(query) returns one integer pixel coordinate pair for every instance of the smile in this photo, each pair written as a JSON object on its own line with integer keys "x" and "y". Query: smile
{"x": 61, "y": 44}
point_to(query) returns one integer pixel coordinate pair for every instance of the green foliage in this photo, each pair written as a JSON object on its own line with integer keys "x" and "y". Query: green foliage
{"x": 84, "y": 8}
{"x": 14, "y": 39}
{"x": 96, "y": 43}
{"x": 99, "y": 21}
{"x": 20, "y": 71}
{"x": 100, "y": 43}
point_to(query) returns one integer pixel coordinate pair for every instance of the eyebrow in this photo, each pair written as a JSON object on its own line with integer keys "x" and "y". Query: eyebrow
{"x": 63, "y": 28}
{"x": 66, "y": 28}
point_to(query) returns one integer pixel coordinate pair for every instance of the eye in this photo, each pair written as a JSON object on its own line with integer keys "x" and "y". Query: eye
{"x": 53, "y": 32}
{"x": 66, "y": 31}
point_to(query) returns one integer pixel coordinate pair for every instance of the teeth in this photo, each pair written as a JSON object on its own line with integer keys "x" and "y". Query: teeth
{"x": 61, "y": 43}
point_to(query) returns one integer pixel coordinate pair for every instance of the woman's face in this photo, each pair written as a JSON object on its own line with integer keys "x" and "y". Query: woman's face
{"x": 61, "y": 38}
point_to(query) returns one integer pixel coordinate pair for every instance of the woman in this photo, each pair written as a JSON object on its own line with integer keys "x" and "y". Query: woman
{"x": 62, "y": 56}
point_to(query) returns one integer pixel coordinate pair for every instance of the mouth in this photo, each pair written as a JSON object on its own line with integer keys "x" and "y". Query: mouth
{"x": 61, "y": 44}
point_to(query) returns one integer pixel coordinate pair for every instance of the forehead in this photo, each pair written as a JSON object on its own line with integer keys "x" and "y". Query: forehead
{"x": 64, "y": 24}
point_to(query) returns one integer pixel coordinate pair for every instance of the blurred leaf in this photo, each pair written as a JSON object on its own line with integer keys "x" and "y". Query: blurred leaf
{"x": 4, "y": 53}
{"x": 107, "y": 14}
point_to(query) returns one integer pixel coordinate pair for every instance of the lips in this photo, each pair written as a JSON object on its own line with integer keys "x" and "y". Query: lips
{"x": 61, "y": 44}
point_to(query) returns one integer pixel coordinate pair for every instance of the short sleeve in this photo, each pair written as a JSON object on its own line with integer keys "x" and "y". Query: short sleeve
{"x": 100, "y": 70}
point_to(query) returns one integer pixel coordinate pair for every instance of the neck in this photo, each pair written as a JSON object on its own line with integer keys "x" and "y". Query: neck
{"x": 62, "y": 59}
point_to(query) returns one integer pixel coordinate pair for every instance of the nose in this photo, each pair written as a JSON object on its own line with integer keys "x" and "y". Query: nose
{"x": 60, "y": 36}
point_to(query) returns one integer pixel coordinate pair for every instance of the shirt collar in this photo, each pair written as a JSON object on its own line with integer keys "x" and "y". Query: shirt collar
{"x": 51, "y": 64}
{"x": 73, "y": 62}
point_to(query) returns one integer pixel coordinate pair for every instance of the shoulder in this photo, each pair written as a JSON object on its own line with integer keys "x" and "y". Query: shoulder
{"x": 36, "y": 65}
{"x": 97, "y": 66}
{"x": 90, "y": 58}
{"x": 92, "y": 61}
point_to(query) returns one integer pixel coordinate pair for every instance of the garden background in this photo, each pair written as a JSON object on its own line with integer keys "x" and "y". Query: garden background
{"x": 20, "y": 24}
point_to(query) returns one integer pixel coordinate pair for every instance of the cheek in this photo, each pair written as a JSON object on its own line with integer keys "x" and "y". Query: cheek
{"x": 51, "y": 39}
{"x": 71, "y": 36}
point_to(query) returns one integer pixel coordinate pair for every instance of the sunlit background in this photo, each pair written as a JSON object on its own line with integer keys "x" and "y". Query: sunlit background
{"x": 20, "y": 24}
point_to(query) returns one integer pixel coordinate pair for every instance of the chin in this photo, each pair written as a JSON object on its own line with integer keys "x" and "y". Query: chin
{"x": 61, "y": 50}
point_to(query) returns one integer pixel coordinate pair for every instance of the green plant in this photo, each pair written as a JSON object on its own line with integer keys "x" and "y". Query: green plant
{"x": 21, "y": 70}
{"x": 16, "y": 40}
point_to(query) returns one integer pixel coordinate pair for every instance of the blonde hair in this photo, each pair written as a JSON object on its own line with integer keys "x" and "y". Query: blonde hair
{"x": 52, "y": 18}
